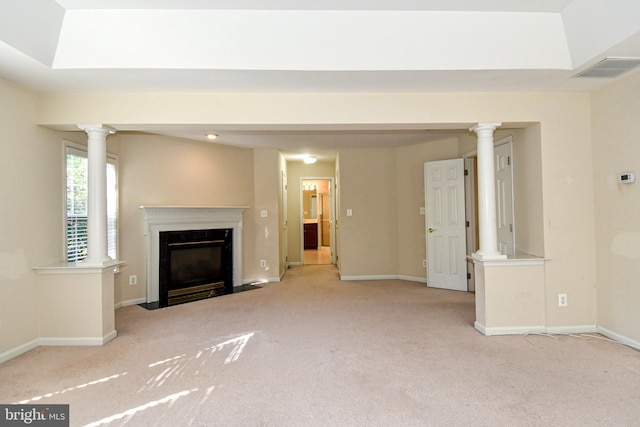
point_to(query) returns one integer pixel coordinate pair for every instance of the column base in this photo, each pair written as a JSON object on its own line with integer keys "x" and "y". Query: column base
{"x": 488, "y": 256}
{"x": 99, "y": 262}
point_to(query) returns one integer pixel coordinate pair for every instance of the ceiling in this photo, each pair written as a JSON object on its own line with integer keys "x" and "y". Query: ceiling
{"x": 312, "y": 46}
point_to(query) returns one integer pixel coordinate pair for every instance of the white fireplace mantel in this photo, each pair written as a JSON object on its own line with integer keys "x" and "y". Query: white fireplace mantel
{"x": 176, "y": 218}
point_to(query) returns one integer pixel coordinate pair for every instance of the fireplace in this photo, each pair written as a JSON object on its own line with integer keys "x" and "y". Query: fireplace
{"x": 194, "y": 265}
{"x": 206, "y": 225}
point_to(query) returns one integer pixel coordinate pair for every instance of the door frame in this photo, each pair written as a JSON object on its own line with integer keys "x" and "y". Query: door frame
{"x": 450, "y": 233}
{"x": 471, "y": 202}
{"x": 332, "y": 229}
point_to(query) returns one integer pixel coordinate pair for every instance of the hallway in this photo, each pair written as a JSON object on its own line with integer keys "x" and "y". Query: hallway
{"x": 317, "y": 256}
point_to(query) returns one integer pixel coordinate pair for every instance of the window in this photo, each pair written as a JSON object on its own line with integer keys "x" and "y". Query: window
{"x": 76, "y": 202}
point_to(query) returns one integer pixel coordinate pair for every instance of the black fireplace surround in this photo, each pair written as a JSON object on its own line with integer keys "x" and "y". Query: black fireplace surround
{"x": 194, "y": 265}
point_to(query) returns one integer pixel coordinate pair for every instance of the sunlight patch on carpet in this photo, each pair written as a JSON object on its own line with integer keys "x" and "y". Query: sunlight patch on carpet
{"x": 130, "y": 412}
{"x": 81, "y": 386}
{"x": 166, "y": 360}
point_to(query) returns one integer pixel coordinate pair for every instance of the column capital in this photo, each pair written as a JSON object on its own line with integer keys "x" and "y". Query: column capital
{"x": 485, "y": 127}
{"x": 97, "y": 127}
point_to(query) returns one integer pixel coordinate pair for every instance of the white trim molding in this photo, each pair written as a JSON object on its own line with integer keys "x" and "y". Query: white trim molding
{"x": 523, "y": 330}
{"x": 77, "y": 341}
{"x": 20, "y": 350}
{"x": 515, "y": 330}
{"x": 130, "y": 302}
{"x": 51, "y": 342}
{"x": 575, "y": 329}
{"x": 261, "y": 280}
{"x": 413, "y": 279}
{"x": 617, "y": 337}
{"x": 384, "y": 277}
{"x": 371, "y": 277}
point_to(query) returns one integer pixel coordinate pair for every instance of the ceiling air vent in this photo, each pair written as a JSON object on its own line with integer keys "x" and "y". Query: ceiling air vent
{"x": 610, "y": 67}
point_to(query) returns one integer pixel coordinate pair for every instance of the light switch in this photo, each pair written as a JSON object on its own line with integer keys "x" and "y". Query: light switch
{"x": 264, "y": 213}
{"x": 422, "y": 210}
{"x": 349, "y": 212}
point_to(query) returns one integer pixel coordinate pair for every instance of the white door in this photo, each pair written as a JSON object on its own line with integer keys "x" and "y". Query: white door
{"x": 445, "y": 224}
{"x": 504, "y": 197}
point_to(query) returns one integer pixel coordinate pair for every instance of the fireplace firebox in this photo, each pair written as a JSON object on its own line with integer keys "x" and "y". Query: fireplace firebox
{"x": 194, "y": 265}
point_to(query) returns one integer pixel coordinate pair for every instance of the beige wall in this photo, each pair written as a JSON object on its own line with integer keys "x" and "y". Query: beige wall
{"x": 295, "y": 171}
{"x": 410, "y": 192}
{"x": 567, "y": 188}
{"x": 616, "y": 142}
{"x": 283, "y": 250}
{"x": 368, "y": 239}
{"x": 156, "y": 170}
{"x": 31, "y": 212}
{"x": 266, "y": 182}
{"x": 510, "y": 298}
{"x": 527, "y": 184}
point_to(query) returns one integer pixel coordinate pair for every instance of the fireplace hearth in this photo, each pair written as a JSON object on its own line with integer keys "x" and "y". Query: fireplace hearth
{"x": 194, "y": 265}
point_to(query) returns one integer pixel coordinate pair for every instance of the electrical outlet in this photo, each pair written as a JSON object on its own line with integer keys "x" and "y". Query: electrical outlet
{"x": 562, "y": 300}
{"x": 133, "y": 280}
{"x": 264, "y": 214}
{"x": 263, "y": 263}
{"x": 424, "y": 263}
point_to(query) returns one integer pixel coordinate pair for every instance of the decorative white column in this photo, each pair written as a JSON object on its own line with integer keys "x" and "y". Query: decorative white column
{"x": 487, "y": 226}
{"x": 97, "y": 193}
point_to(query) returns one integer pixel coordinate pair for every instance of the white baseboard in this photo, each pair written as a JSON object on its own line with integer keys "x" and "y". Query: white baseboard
{"x": 261, "y": 280}
{"x": 566, "y": 330}
{"x": 617, "y": 337}
{"x": 80, "y": 341}
{"x": 43, "y": 341}
{"x": 17, "y": 351}
{"x": 523, "y": 330}
{"x": 386, "y": 277}
{"x": 372, "y": 277}
{"x": 413, "y": 279}
{"x": 297, "y": 264}
{"x": 130, "y": 302}
{"x": 480, "y": 327}
{"x": 516, "y": 330}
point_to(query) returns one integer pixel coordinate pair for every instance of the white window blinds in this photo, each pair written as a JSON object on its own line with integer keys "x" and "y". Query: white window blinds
{"x": 76, "y": 201}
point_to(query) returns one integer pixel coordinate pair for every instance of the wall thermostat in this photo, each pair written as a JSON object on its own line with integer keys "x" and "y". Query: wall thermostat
{"x": 627, "y": 178}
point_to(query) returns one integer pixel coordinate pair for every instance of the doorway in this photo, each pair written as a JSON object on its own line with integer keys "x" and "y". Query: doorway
{"x": 317, "y": 220}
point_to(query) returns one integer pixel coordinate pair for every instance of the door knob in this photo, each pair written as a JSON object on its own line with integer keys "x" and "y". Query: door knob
{"x": 431, "y": 230}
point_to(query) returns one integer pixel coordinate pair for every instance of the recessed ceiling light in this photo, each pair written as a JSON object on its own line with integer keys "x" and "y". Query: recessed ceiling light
{"x": 310, "y": 160}
{"x": 212, "y": 136}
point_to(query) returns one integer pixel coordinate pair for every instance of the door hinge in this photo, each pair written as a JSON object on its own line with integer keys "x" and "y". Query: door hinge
{"x": 468, "y": 224}
{"x": 510, "y": 228}
{"x": 508, "y": 160}
{"x": 468, "y": 276}
{"x": 466, "y": 172}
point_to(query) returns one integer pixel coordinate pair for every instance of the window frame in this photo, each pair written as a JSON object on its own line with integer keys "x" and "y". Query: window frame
{"x": 81, "y": 150}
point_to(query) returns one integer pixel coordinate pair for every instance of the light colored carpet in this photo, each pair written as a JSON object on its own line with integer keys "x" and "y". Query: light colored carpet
{"x": 314, "y": 351}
